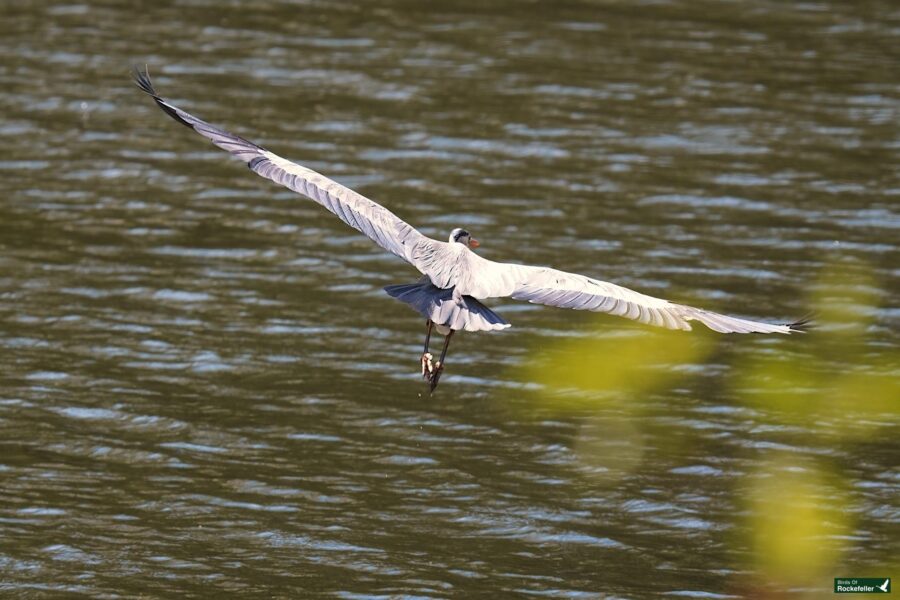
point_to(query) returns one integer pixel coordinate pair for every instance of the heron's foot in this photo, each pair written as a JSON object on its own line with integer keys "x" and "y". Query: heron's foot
{"x": 427, "y": 365}
{"x": 435, "y": 375}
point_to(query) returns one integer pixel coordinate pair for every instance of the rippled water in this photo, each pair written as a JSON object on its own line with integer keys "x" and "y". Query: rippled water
{"x": 205, "y": 390}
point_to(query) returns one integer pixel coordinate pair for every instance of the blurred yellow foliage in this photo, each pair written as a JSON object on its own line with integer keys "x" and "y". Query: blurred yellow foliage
{"x": 832, "y": 388}
{"x": 600, "y": 376}
{"x": 796, "y": 522}
{"x": 826, "y": 386}
{"x": 829, "y": 384}
{"x": 613, "y": 365}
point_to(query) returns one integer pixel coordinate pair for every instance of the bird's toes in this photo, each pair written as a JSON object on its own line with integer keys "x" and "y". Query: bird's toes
{"x": 427, "y": 365}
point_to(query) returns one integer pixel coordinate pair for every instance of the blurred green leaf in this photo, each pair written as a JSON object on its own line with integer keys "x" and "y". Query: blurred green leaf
{"x": 579, "y": 373}
{"x": 829, "y": 385}
{"x": 798, "y": 522}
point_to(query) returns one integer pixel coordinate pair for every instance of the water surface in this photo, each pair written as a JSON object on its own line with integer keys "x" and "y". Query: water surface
{"x": 204, "y": 389}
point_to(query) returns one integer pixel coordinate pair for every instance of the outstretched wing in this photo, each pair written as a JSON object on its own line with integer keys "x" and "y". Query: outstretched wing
{"x": 369, "y": 218}
{"x": 552, "y": 287}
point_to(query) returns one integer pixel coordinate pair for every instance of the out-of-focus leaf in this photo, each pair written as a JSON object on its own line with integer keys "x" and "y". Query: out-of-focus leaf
{"x": 829, "y": 386}
{"x": 798, "y": 522}
{"x": 581, "y": 372}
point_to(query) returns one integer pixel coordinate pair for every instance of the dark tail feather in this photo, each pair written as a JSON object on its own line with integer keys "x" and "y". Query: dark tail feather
{"x": 445, "y": 308}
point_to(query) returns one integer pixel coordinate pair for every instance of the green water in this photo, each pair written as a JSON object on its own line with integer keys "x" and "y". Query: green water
{"x": 204, "y": 391}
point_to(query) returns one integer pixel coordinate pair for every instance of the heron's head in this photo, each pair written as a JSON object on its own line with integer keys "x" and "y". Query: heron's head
{"x": 461, "y": 236}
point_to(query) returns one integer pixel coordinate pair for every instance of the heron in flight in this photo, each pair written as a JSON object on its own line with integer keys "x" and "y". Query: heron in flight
{"x": 455, "y": 278}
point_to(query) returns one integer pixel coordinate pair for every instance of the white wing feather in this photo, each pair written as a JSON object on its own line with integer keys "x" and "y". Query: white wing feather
{"x": 369, "y": 218}
{"x": 482, "y": 278}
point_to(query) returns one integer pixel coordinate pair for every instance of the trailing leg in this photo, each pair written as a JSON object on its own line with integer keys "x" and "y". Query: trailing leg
{"x": 439, "y": 365}
{"x": 427, "y": 364}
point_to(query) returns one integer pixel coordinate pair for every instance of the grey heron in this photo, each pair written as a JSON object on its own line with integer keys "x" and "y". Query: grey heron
{"x": 455, "y": 278}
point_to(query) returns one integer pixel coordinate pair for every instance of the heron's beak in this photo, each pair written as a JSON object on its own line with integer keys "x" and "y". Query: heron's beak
{"x": 473, "y": 243}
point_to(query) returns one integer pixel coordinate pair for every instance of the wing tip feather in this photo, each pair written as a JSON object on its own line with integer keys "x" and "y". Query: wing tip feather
{"x": 802, "y": 325}
{"x": 142, "y": 80}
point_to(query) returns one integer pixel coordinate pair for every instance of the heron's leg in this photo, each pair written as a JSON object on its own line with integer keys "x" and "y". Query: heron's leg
{"x": 427, "y": 365}
{"x": 439, "y": 365}
{"x": 446, "y": 345}
{"x": 428, "y": 325}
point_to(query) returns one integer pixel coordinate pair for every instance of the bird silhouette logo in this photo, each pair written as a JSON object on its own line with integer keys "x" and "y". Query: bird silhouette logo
{"x": 884, "y": 586}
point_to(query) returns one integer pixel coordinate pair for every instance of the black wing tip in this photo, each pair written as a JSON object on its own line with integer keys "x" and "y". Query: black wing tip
{"x": 142, "y": 80}
{"x": 803, "y": 325}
